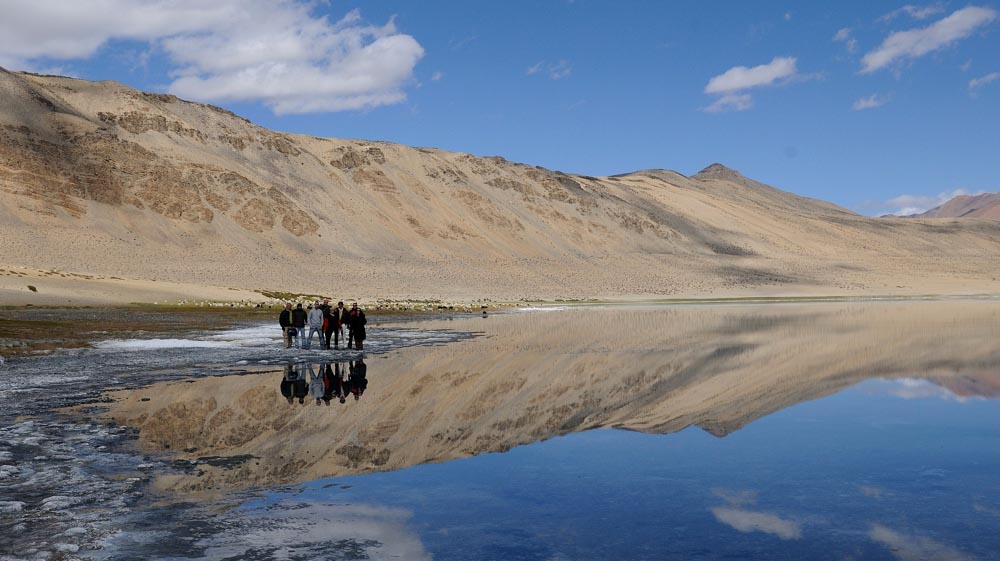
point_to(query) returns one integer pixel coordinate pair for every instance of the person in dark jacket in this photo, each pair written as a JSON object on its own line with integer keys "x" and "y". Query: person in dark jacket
{"x": 356, "y": 323}
{"x": 285, "y": 321}
{"x": 299, "y": 318}
{"x": 338, "y": 317}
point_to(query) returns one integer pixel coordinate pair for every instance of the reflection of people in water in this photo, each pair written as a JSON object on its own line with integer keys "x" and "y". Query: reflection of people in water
{"x": 358, "y": 378}
{"x": 328, "y": 383}
{"x": 300, "y": 386}
{"x": 325, "y": 381}
{"x": 316, "y": 386}
{"x": 286, "y": 382}
{"x": 293, "y": 384}
{"x": 343, "y": 382}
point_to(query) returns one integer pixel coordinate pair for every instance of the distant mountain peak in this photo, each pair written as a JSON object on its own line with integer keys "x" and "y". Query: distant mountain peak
{"x": 717, "y": 171}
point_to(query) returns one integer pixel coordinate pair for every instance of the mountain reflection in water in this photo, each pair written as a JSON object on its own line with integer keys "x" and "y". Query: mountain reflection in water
{"x": 532, "y": 376}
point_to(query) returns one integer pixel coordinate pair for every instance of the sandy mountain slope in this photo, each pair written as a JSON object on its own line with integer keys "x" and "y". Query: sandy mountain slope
{"x": 100, "y": 179}
{"x": 985, "y": 205}
{"x": 530, "y": 377}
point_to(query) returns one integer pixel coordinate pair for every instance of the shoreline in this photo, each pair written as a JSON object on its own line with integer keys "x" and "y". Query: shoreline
{"x": 422, "y": 306}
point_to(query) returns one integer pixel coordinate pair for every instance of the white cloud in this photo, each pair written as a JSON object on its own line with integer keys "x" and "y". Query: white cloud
{"x": 560, "y": 70}
{"x": 275, "y": 52}
{"x": 915, "y": 12}
{"x": 555, "y": 71}
{"x": 981, "y": 81}
{"x": 731, "y": 102}
{"x": 844, "y": 36}
{"x": 732, "y": 84}
{"x": 870, "y": 102}
{"x": 752, "y": 521}
{"x": 906, "y": 547}
{"x": 742, "y": 78}
{"x": 788, "y": 16}
{"x": 916, "y": 43}
{"x": 437, "y": 76}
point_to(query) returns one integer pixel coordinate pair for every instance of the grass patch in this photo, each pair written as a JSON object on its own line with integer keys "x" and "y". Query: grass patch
{"x": 289, "y": 296}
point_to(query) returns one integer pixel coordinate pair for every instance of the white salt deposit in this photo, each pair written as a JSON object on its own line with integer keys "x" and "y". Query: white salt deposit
{"x": 156, "y": 344}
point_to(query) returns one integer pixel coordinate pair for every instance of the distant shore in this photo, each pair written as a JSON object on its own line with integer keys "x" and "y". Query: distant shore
{"x": 26, "y": 287}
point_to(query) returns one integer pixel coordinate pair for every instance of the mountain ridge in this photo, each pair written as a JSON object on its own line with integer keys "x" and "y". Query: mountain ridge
{"x": 103, "y": 179}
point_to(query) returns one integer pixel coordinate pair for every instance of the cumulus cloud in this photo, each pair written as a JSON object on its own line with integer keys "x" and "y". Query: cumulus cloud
{"x": 908, "y": 547}
{"x": 870, "y": 102}
{"x": 747, "y": 521}
{"x": 844, "y": 36}
{"x": 732, "y": 84}
{"x": 976, "y": 83}
{"x": 915, "y": 43}
{"x": 276, "y": 52}
{"x": 915, "y": 12}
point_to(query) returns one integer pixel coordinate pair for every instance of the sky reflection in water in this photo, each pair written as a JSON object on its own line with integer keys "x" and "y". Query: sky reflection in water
{"x": 862, "y": 474}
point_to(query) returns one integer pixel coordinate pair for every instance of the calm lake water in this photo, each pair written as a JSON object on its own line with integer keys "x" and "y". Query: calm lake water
{"x": 805, "y": 431}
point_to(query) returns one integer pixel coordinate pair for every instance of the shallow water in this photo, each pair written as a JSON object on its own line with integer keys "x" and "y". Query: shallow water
{"x": 817, "y": 431}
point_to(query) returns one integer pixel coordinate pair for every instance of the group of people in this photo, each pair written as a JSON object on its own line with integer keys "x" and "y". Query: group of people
{"x": 325, "y": 382}
{"x": 326, "y": 321}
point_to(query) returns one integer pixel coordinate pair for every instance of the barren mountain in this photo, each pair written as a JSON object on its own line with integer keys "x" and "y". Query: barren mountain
{"x": 102, "y": 180}
{"x": 985, "y": 205}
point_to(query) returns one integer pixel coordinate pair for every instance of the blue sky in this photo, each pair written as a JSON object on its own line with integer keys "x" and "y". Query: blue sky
{"x": 876, "y": 106}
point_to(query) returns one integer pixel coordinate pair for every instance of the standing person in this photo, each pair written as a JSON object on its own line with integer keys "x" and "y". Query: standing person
{"x": 315, "y": 318}
{"x": 285, "y": 321}
{"x": 338, "y": 317}
{"x": 327, "y": 322}
{"x": 299, "y": 323}
{"x": 356, "y": 323}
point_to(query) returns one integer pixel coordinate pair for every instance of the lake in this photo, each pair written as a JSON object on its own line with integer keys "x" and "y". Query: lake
{"x": 841, "y": 430}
